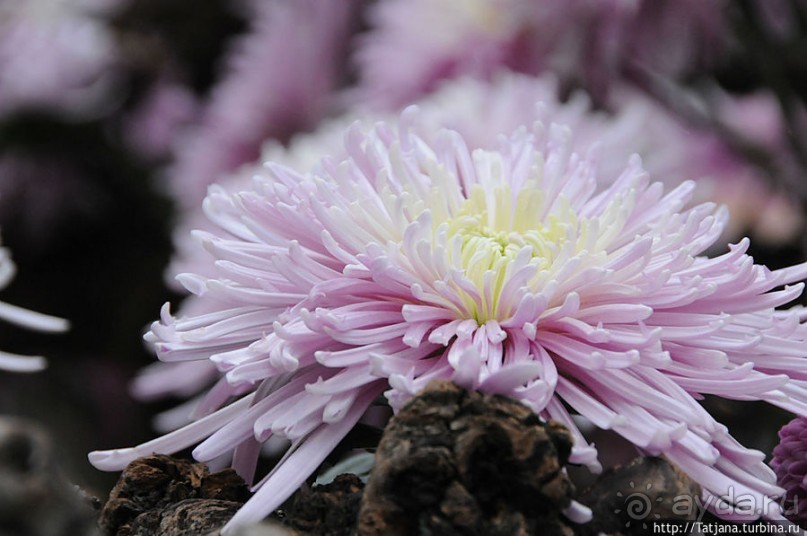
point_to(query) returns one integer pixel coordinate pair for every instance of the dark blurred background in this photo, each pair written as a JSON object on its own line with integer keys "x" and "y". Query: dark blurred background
{"x": 84, "y": 212}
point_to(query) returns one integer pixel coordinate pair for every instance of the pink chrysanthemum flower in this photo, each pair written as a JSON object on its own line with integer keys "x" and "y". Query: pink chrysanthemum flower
{"x": 512, "y": 271}
{"x": 790, "y": 464}
{"x": 481, "y": 112}
{"x": 279, "y": 81}
{"x": 25, "y": 318}
{"x": 413, "y": 44}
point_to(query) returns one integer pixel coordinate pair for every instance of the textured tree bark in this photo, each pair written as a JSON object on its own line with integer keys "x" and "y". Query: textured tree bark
{"x": 171, "y": 497}
{"x": 459, "y": 462}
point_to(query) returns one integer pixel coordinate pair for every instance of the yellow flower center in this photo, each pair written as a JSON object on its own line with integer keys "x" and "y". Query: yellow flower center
{"x": 494, "y": 225}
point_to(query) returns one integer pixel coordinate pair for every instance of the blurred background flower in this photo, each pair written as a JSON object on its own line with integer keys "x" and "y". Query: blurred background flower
{"x": 790, "y": 463}
{"x": 279, "y": 79}
{"x": 413, "y": 45}
{"x": 58, "y": 55}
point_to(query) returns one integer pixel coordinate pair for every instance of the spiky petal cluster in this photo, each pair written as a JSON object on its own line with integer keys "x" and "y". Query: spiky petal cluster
{"x": 25, "y": 318}
{"x": 672, "y": 150}
{"x": 510, "y": 271}
{"x": 790, "y": 463}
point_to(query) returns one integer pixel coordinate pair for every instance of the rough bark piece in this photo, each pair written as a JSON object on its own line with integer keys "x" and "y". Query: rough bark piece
{"x": 155, "y": 491}
{"x": 459, "y": 462}
{"x": 330, "y": 509}
{"x": 191, "y": 517}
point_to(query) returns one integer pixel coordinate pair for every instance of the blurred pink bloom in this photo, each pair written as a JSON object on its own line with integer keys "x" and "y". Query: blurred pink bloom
{"x": 682, "y": 151}
{"x": 166, "y": 110}
{"x": 56, "y": 54}
{"x": 25, "y": 318}
{"x": 279, "y": 80}
{"x": 413, "y": 44}
{"x": 510, "y": 270}
{"x": 773, "y": 215}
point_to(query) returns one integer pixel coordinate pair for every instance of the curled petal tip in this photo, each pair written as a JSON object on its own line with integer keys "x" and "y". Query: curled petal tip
{"x": 578, "y": 513}
{"x": 110, "y": 460}
{"x": 54, "y": 324}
